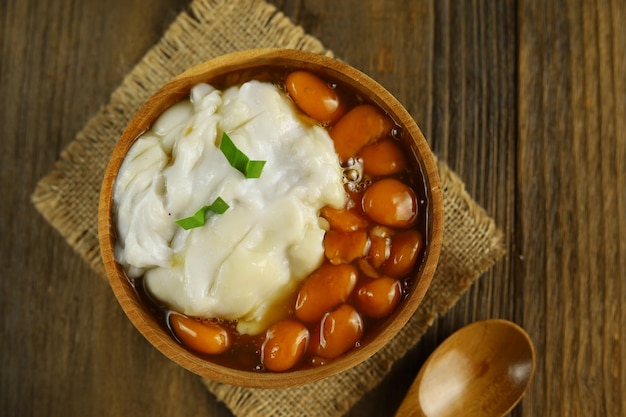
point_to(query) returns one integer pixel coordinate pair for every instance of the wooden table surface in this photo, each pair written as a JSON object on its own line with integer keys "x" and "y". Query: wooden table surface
{"x": 526, "y": 101}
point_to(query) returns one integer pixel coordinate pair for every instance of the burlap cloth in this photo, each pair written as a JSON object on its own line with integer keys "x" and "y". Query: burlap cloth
{"x": 68, "y": 196}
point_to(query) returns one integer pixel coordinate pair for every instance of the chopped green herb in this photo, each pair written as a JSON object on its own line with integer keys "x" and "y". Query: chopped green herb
{"x": 219, "y": 206}
{"x": 239, "y": 160}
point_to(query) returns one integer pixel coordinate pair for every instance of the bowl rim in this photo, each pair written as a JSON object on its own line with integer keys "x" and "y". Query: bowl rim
{"x": 178, "y": 88}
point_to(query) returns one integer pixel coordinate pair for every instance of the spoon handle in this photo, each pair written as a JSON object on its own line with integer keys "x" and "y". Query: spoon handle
{"x": 410, "y": 406}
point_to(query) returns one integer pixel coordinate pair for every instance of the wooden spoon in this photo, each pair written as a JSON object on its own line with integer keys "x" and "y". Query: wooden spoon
{"x": 482, "y": 370}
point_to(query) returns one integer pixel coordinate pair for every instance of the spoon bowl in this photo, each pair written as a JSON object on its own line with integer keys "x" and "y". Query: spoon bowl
{"x": 482, "y": 370}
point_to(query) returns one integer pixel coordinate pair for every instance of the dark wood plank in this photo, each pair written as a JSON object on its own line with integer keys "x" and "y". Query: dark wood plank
{"x": 571, "y": 203}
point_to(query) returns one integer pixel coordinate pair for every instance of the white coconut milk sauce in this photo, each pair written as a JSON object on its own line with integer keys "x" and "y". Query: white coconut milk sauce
{"x": 246, "y": 260}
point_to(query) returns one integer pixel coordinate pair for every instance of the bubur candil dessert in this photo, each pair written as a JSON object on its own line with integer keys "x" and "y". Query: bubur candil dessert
{"x": 272, "y": 221}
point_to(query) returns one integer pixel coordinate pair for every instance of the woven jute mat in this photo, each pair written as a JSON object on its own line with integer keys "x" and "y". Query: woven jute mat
{"x": 68, "y": 196}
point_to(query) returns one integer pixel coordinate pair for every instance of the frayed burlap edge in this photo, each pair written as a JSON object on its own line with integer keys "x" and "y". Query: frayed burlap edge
{"x": 68, "y": 197}
{"x": 471, "y": 244}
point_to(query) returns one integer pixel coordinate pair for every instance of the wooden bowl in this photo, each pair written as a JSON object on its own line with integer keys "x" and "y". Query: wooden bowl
{"x": 179, "y": 88}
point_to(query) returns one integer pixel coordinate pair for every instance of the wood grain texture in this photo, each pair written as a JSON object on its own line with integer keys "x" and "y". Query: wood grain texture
{"x": 525, "y": 99}
{"x": 571, "y": 180}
